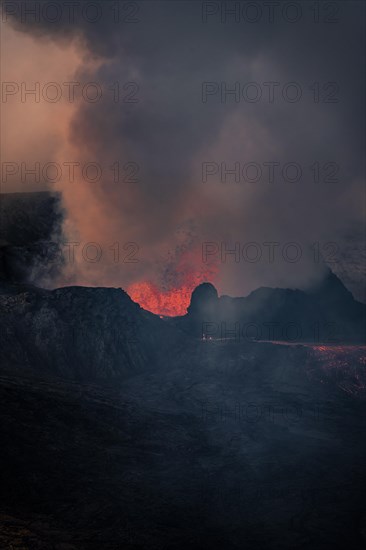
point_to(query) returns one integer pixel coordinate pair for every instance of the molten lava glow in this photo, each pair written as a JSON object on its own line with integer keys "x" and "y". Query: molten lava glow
{"x": 343, "y": 365}
{"x": 171, "y": 302}
{"x": 173, "y": 297}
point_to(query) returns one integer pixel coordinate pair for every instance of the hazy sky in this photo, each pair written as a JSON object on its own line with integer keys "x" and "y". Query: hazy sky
{"x": 272, "y": 91}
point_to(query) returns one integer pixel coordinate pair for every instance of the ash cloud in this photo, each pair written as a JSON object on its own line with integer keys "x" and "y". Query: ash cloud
{"x": 169, "y": 52}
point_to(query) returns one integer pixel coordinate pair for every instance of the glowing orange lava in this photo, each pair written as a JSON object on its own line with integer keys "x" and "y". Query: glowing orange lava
{"x": 171, "y": 302}
{"x": 181, "y": 275}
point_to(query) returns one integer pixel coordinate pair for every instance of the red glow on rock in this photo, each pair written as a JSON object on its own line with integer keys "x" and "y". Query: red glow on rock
{"x": 173, "y": 299}
{"x": 173, "y": 302}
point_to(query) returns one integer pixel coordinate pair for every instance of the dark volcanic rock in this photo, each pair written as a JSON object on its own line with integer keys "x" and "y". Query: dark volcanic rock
{"x": 30, "y": 235}
{"x": 204, "y": 300}
{"x": 230, "y": 445}
{"x": 80, "y": 333}
{"x": 327, "y": 314}
{"x": 26, "y": 218}
{"x": 120, "y": 431}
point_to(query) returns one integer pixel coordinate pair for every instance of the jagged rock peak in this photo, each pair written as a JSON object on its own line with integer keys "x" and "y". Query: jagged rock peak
{"x": 203, "y": 295}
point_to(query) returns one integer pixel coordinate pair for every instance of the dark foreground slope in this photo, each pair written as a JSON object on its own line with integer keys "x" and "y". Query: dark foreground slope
{"x": 210, "y": 455}
{"x": 80, "y": 333}
{"x": 154, "y": 439}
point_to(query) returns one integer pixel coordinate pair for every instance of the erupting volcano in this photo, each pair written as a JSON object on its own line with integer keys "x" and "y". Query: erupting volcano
{"x": 172, "y": 294}
{"x": 171, "y": 302}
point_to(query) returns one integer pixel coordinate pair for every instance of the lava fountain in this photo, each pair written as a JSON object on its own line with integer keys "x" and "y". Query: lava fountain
{"x": 173, "y": 295}
{"x": 170, "y": 302}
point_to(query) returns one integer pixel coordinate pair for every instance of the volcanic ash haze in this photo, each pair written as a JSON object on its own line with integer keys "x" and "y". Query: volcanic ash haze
{"x": 159, "y": 202}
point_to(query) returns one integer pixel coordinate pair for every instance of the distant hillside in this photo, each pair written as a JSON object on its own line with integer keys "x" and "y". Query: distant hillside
{"x": 79, "y": 333}
{"x": 31, "y": 227}
{"x": 31, "y": 230}
{"x": 328, "y": 314}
